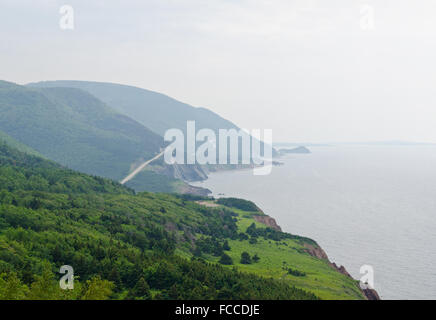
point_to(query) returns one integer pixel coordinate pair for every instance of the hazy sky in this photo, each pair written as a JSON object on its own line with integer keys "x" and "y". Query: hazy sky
{"x": 324, "y": 70}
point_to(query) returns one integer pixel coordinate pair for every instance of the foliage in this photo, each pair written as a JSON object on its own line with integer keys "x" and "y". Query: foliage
{"x": 11, "y": 287}
{"x": 153, "y": 182}
{"x": 97, "y": 289}
{"x": 296, "y": 273}
{"x": 225, "y": 259}
{"x": 154, "y": 110}
{"x": 245, "y": 258}
{"x": 75, "y": 129}
{"x": 226, "y": 245}
{"x": 121, "y": 245}
{"x": 272, "y": 234}
{"x": 241, "y": 204}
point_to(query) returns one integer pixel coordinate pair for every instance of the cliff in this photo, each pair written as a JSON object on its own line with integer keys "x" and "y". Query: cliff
{"x": 268, "y": 221}
{"x": 316, "y": 251}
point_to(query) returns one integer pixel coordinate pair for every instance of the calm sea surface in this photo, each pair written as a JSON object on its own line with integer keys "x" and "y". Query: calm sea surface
{"x": 373, "y": 205}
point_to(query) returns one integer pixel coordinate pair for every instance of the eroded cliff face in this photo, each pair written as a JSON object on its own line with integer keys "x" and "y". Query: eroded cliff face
{"x": 186, "y": 172}
{"x": 371, "y": 294}
{"x": 199, "y": 191}
{"x": 268, "y": 221}
{"x": 316, "y": 251}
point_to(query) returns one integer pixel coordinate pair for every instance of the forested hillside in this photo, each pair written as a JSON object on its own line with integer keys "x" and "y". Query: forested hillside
{"x": 121, "y": 245}
{"x": 5, "y": 138}
{"x": 75, "y": 129}
{"x": 154, "y": 110}
{"x": 133, "y": 246}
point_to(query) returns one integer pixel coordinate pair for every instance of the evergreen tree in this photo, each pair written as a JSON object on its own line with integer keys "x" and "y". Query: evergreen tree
{"x": 141, "y": 290}
{"x": 245, "y": 258}
{"x": 11, "y": 287}
{"x": 97, "y": 289}
{"x": 45, "y": 287}
{"x": 226, "y": 246}
{"x": 225, "y": 259}
{"x": 115, "y": 277}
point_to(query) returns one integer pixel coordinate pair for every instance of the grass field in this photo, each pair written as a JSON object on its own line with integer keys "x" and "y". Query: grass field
{"x": 276, "y": 257}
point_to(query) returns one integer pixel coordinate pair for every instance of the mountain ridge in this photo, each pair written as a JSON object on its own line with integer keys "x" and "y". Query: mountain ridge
{"x": 72, "y": 127}
{"x": 163, "y": 111}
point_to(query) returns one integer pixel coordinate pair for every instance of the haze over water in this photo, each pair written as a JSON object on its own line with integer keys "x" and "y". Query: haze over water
{"x": 373, "y": 205}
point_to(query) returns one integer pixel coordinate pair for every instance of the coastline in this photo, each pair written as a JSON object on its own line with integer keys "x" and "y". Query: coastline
{"x": 315, "y": 251}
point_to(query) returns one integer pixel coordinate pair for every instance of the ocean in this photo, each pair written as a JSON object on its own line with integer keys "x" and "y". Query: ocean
{"x": 364, "y": 205}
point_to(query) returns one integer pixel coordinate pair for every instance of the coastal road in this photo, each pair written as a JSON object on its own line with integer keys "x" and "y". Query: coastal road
{"x": 139, "y": 169}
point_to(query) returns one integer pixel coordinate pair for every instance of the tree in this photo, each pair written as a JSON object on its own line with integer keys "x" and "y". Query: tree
{"x": 141, "y": 290}
{"x": 115, "y": 277}
{"x": 226, "y": 246}
{"x": 251, "y": 230}
{"x": 97, "y": 289}
{"x": 256, "y": 258}
{"x": 11, "y": 287}
{"x": 225, "y": 259}
{"x": 35, "y": 204}
{"x": 296, "y": 273}
{"x": 242, "y": 236}
{"x": 225, "y": 294}
{"x": 197, "y": 252}
{"x": 245, "y": 258}
{"x": 45, "y": 286}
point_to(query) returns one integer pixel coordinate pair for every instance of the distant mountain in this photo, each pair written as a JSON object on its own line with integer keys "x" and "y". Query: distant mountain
{"x": 156, "y": 111}
{"x": 391, "y": 143}
{"x": 76, "y": 129}
{"x": 279, "y": 145}
{"x": 300, "y": 149}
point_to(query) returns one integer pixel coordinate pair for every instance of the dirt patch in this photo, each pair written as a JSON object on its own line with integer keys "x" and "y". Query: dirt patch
{"x": 208, "y": 204}
{"x": 316, "y": 251}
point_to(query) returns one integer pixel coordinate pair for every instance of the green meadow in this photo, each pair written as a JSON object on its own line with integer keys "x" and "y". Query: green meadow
{"x": 276, "y": 257}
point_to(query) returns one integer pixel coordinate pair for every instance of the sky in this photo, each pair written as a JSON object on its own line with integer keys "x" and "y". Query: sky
{"x": 310, "y": 70}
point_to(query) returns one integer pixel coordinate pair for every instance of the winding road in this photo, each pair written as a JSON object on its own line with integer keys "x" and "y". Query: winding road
{"x": 139, "y": 169}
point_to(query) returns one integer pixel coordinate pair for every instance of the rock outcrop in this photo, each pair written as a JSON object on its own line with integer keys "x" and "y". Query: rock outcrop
{"x": 371, "y": 294}
{"x": 199, "y": 191}
{"x": 316, "y": 251}
{"x": 268, "y": 221}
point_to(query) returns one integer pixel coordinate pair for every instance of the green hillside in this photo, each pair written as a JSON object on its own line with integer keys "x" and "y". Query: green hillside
{"x": 127, "y": 246}
{"x": 154, "y": 110}
{"x": 75, "y": 129}
{"x": 284, "y": 256}
{"x": 4, "y": 138}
